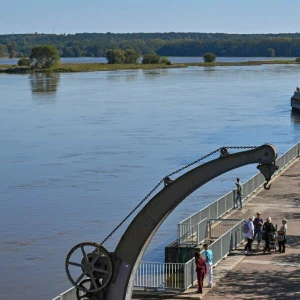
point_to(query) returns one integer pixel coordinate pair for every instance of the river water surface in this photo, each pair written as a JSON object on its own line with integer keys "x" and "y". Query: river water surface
{"x": 79, "y": 151}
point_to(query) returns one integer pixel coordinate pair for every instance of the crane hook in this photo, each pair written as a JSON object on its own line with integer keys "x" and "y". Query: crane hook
{"x": 265, "y": 185}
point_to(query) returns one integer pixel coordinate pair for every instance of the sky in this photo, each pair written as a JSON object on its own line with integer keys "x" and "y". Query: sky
{"x": 126, "y": 16}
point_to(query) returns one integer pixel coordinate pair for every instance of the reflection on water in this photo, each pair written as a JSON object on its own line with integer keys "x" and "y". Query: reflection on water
{"x": 44, "y": 82}
{"x": 295, "y": 116}
{"x": 127, "y": 75}
{"x": 151, "y": 74}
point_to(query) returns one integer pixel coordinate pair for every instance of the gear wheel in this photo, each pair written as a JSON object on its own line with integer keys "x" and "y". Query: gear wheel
{"x": 94, "y": 263}
{"x": 80, "y": 295}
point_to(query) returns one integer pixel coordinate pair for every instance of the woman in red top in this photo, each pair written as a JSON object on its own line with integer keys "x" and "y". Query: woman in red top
{"x": 201, "y": 270}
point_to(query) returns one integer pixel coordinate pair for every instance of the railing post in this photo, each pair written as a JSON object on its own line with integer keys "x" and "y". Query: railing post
{"x": 233, "y": 198}
{"x": 185, "y": 276}
{"x": 193, "y": 272}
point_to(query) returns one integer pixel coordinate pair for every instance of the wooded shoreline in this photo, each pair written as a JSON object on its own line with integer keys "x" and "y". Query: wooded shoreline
{"x": 93, "y": 67}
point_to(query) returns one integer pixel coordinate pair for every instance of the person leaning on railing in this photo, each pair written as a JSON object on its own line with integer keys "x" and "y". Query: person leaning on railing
{"x": 239, "y": 194}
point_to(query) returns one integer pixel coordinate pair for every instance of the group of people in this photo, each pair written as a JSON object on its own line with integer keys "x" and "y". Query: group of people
{"x": 266, "y": 231}
{"x": 255, "y": 227}
{"x": 204, "y": 267}
{"x": 260, "y": 229}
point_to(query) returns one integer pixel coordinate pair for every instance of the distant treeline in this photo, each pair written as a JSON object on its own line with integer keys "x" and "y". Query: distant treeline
{"x": 167, "y": 44}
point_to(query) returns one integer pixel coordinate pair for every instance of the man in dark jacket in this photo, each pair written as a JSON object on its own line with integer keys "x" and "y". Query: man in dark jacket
{"x": 258, "y": 226}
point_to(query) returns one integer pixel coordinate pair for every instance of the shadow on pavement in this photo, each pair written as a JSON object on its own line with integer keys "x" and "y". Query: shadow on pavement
{"x": 267, "y": 285}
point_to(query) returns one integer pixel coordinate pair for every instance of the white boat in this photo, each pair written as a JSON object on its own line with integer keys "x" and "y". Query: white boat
{"x": 295, "y": 100}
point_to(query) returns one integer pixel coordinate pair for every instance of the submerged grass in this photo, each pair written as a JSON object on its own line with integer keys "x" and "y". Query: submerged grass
{"x": 93, "y": 67}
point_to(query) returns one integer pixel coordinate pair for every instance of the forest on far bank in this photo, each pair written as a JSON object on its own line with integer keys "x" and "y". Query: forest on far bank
{"x": 166, "y": 44}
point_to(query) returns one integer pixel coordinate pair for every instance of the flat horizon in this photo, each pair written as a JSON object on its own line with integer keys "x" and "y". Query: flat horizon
{"x": 150, "y": 32}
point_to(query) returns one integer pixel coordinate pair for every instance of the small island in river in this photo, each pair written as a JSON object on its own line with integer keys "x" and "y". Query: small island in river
{"x": 93, "y": 67}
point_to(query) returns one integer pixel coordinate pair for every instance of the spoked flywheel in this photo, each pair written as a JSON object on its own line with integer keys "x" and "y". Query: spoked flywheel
{"x": 92, "y": 261}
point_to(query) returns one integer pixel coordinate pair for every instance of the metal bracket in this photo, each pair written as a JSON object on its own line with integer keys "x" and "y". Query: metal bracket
{"x": 267, "y": 170}
{"x": 224, "y": 152}
{"x": 167, "y": 181}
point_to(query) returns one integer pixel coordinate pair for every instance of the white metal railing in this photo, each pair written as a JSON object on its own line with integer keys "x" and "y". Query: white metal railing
{"x": 69, "y": 294}
{"x": 220, "y": 248}
{"x": 160, "y": 275}
{"x": 192, "y": 234}
{"x": 217, "y": 227}
{"x": 227, "y": 242}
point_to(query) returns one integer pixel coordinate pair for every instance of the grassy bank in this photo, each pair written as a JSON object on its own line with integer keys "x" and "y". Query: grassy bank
{"x": 245, "y": 63}
{"x": 92, "y": 67}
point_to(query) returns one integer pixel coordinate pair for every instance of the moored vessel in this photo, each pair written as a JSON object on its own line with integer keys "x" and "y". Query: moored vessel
{"x": 295, "y": 100}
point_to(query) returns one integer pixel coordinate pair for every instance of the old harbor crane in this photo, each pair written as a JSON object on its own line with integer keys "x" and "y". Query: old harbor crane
{"x": 107, "y": 275}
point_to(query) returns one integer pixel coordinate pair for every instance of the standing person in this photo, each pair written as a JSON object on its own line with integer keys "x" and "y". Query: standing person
{"x": 249, "y": 236}
{"x": 209, "y": 264}
{"x": 268, "y": 233}
{"x": 201, "y": 270}
{"x": 258, "y": 226}
{"x": 239, "y": 194}
{"x": 282, "y": 236}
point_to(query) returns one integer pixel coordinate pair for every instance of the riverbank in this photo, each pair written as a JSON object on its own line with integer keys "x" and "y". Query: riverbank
{"x": 93, "y": 67}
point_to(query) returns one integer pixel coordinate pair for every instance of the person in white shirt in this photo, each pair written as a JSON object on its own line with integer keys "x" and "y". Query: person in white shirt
{"x": 249, "y": 236}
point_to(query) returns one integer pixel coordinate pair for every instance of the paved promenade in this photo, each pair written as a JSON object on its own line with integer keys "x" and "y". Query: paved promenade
{"x": 260, "y": 276}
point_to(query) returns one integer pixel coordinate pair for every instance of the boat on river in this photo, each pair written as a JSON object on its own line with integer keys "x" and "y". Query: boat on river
{"x": 295, "y": 100}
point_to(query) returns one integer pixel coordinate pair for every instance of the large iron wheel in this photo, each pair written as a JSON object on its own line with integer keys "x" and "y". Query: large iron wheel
{"x": 94, "y": 263}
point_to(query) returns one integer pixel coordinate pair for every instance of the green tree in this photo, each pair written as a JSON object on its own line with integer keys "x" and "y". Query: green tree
{"x": 270, "y": 52}
{"x": 24, "y": 61}
{"x": 77, "y": 51}
{"x": 151, "y": 58}
{"x": 68, "y": 52}
{"x": 44, "y": 57}
{"x": 11, "y": 47}
{"x": 209, "y": 57}
{"x": 131, "y": 56}
{"x": 164, "y": 60}
{"x": 297, "y": 60}
{"x": 115, "y": 56}
{"x": 3, "y": 51}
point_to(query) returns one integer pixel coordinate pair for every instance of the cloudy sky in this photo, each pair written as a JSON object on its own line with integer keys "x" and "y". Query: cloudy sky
{"x": 71, "y": 16}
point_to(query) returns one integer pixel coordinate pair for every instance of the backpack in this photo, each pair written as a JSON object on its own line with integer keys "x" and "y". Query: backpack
{"x": 245, "y": 228}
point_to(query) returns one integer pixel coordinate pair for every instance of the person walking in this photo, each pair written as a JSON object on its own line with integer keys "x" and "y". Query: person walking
{"x": 268, "y": 233}
{"x": 201, "y": 270}
{"x": 239, "y": 194}
{"x": 281, "y": 238}
{"x": 249, "y": 236}
{"x": 209, "y": 264}
{"x": 258, "y": 226}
